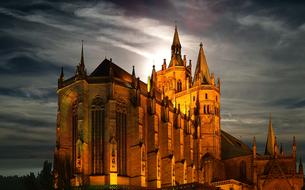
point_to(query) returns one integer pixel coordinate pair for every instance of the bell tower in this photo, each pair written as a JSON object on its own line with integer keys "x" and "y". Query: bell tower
{"x": 207, "y": 108}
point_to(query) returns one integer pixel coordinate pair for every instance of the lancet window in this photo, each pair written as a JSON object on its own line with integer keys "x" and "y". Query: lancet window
{"x": 121, "y": 134}
{"x": 97, "y": 127}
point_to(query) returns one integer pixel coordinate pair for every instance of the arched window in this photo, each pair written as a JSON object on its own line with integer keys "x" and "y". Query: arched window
{"x": 97, "y": 127}
{"x": 204, "y": 109}
{"x": 121, "y": 136}
{"x": 74, "y": 133}
{"x": 208, "y": 109}
{"x": 243, "y": 170}
{"x": 206, "y": 96}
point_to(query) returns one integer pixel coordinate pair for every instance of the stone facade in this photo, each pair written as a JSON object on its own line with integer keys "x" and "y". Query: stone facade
{"x": 114, "y": 129}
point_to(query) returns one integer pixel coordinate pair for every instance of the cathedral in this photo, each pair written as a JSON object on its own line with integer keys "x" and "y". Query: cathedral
{"x": 114, "y": 130}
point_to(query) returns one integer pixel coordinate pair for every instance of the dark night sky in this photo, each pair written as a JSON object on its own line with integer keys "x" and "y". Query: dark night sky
{"x": 256, "y": 47}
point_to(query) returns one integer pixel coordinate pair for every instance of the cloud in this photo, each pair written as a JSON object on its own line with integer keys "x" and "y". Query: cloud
{"x": 256, "y": 47}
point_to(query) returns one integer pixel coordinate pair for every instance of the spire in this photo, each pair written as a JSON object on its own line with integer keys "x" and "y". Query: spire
{"x": 269, "y": 149}
{"x": 80, "y": 69}
{"x": 62, "y": 73}
{"x": 176, "y": 41}
{"x": 61, "y": 78}
{"x": 176, "y": 59}
{"x": 202, "y": 73}
{"x": 133, "y": 71}
{"x": 82, "y": 63}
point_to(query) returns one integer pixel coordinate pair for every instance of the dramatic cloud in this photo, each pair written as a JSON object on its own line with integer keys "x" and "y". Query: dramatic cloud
{"x": 256, "y": 47}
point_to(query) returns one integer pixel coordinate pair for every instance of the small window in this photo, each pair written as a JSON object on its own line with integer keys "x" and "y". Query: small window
{"x": 216, "y": 98}
{"x": 194, "y": 98}
{"x": 208, "y": 109}
{"x": 204, "y": 109}
{"x": 206, "y": 96}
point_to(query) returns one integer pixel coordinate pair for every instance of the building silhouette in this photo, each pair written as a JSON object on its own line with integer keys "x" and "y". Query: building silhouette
{"x": 114, "y": 129}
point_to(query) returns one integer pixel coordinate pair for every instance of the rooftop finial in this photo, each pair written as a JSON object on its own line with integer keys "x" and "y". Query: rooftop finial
{"x": 201, "y": 45}
{"x": 133, "y": 71}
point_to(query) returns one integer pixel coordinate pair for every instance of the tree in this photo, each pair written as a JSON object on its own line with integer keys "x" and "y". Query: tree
{"x": 44, "y": 178}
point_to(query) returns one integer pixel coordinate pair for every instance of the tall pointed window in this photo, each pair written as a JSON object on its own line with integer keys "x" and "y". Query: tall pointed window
{"x": 121, "y": 134}
{"x": 97, "y": 127}
{"x": 74, "y": 133}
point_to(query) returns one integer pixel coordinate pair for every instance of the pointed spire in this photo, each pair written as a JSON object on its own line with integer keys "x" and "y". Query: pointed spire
{"x": 133, "y": 71}
{"x": 80, "y": 69}
{"x": 202, "y": 73}
{"x": 176, "y": 59}
{"x": 176, "y": 41}
{"x": 61, "y": 78}
{"x": 269, "y": 149}
{"x": 82, "y": 63}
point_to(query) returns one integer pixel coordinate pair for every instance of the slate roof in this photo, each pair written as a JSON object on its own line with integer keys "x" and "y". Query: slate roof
{"x": 104, "y": 70}
{"x": 232, "y": 147}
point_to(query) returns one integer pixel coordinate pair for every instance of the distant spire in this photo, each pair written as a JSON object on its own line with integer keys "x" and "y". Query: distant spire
{"x": 80, "y": 69}
{"x": 269, "y": 149}
{"x": 82, "y": 62}
{"x": 202, "y": 70}
{"x": 61, "y": 78}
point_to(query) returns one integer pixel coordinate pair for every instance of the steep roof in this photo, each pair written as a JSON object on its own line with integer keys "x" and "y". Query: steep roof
{"x": 202, "y": 70}
{"x": 104, "y": 70}
{"x": 232, "y": 147}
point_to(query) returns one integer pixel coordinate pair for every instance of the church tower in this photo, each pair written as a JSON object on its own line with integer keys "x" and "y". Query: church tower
{"x": 207, "y": 109}
{"x": 197, "y": 97}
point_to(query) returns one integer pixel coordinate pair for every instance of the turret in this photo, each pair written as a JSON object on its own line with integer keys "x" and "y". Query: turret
{"x": 202, "y": 74}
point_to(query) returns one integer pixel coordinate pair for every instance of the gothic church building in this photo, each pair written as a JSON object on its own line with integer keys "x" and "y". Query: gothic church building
{"x": 114, "y": 129}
